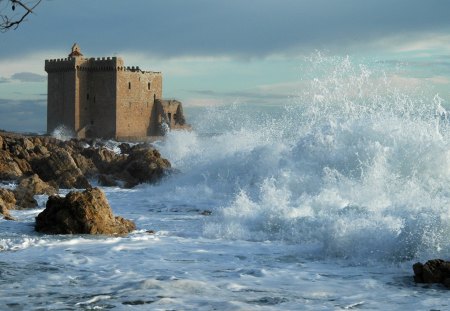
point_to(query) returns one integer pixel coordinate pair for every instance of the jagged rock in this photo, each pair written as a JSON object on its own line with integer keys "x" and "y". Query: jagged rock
{"x": 9, "y": 169}
{"x": 86, "y": 165}
{"x": 68, "y": 164}
{"x": 28, "y": 188}
{"x": 86, "y": 212}
{"x": 433, "y": 271}
{"x": 41, "y": 150}
{"x": 60, "y": 167}
{"x": 7, "y": 202}
{"x": 104, "y": 159}
{"x": 145, "y": 165}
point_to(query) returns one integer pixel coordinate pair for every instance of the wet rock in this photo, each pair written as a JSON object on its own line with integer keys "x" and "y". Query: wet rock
{"x": 60, "y": 167}
{"x": 7, "y": 202}
{"x": 145, "y": 165}
{"x": 107, "y": 181}
{"x": 433, "y": 271}
{"x": 86, "y": 212}
{"x": 28, "y": 188}
{"x": 105, "y": 160}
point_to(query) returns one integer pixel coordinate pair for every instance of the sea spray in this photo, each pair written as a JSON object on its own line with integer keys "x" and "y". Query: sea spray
{"x": 357, "y": 165}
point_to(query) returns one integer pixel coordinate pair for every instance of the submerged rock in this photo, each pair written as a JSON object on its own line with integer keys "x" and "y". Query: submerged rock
{"x": 7, "y": 202}
{"x": 433, "y": 271}
{"x": 86, "y": 212}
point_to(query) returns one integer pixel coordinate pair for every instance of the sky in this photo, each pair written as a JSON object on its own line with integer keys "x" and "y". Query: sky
{"x": 220, "y": 52}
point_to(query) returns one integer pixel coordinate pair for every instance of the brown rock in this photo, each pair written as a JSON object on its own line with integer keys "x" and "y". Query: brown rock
{"x": 60, "y": 167}
{"x": 86, "y": 165}
{"x": 7, "y": 202}
{"x": 86, "y": 212}
{"x": 9, "y": 169}
{"x": 104, "y": 159}
{"x": 146, "y": 165}
{"x": 28, "y": 188}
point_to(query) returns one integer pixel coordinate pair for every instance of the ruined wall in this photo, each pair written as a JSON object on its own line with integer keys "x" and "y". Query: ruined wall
{"x": 61, "y": 108}
{"x": 136, "y": 91}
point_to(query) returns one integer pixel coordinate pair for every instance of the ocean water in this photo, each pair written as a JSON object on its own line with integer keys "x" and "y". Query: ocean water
{"x": 323, "y": 202}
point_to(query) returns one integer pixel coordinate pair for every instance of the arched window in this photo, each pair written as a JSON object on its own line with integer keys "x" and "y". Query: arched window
{"x": 129, "y": 85}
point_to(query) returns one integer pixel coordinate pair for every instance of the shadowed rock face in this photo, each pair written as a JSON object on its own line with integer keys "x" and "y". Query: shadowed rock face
{"x": 86, "y": 212}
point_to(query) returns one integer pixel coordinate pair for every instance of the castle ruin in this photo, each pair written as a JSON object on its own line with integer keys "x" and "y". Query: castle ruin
{"x": 101, "y": 98}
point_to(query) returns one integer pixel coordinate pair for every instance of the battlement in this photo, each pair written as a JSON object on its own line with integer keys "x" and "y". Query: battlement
{"x": 92, "y": 64}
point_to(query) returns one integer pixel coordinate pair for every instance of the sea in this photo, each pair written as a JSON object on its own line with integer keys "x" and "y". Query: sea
{"x": 321, "y": 202}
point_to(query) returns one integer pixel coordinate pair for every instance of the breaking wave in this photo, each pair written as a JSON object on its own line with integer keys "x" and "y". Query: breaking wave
{"x": 357, "y": 166}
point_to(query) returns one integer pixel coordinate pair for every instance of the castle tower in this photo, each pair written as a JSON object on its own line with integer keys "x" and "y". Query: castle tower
{"x": 100, "y": 97}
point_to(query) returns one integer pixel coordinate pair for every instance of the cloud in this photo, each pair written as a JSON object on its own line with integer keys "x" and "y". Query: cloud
{"x": 23, "y": 115}
{"x": 236, "y": 28}
{"x": 28, "y": 77}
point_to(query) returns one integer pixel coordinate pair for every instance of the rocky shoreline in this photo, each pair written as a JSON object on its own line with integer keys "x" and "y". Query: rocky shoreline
{"x": 43, "y": 164}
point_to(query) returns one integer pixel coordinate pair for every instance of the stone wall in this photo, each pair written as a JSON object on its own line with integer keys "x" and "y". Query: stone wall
{"x": 136, "y": 91}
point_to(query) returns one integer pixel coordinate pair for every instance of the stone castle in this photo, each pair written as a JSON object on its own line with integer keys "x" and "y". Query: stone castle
{"x": 101, "y": 98}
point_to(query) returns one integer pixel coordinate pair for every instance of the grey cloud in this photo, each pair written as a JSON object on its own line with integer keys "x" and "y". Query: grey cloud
{"x": 23, "y": 115}
{"x": 28, "y": 77}
{"x": 212, "y": 27}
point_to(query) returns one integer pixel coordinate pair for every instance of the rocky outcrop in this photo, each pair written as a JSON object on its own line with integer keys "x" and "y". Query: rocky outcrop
{"x": 7, "y": 202}
{"x": 61, "y": 168}
{"x": 433, "y": 271}
{"x": 30, "y": 186}
{"x": 144, "y": 165}
{"x": 69, "y": 164}
{"x": 86, "y": 212}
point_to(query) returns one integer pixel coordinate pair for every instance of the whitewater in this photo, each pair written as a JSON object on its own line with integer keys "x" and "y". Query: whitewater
{"x": 322, "y": 203}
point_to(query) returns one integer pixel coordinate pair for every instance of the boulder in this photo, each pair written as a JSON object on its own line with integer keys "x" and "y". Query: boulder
{"x": 28, "y": 188}
{"x": 144, "y": 165}
{"x": 61, "y": 168}
{"x": 433, "y": 271}
{"x": 104, "y": 159}
{"x": 7, "y": 202}
{"x": 86, "y": 212}
{"x": 9, "y": 169}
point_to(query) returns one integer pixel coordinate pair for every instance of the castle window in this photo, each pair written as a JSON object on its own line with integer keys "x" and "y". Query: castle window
{"x": 148, "y": 85}
{"x": 129, "y": 85}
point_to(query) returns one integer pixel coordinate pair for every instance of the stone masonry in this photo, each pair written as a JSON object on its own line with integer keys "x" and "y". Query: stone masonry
{"x": 102, "y": 98}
